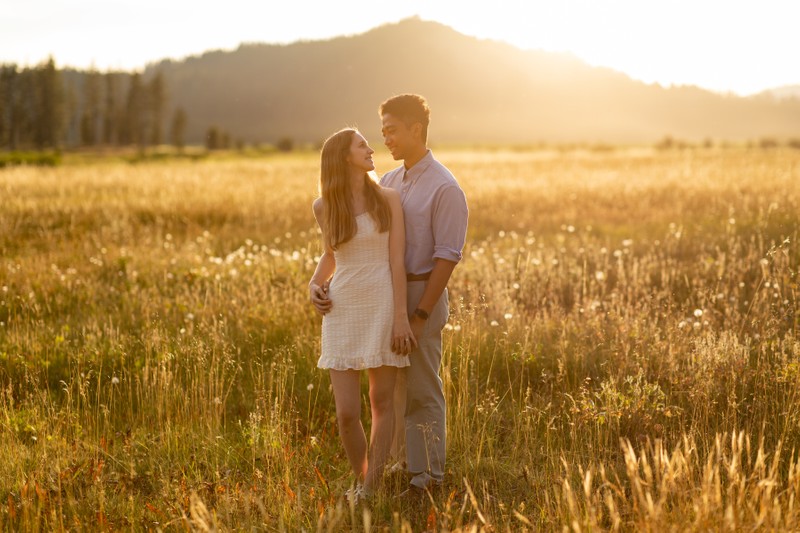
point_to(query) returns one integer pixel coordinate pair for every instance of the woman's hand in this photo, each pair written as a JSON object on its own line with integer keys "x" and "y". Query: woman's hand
{"x": 319, "y": 297}
{"x": 403, "y": 340}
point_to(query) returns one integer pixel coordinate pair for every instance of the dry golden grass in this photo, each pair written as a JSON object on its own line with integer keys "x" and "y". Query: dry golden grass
{"x": 622, "y": 353}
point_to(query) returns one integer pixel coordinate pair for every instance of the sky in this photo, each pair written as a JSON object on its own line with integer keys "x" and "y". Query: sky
{"x": 736, "y": 46}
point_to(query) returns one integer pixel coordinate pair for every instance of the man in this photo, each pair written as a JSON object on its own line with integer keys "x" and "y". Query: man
{"x": 435, "y": 210}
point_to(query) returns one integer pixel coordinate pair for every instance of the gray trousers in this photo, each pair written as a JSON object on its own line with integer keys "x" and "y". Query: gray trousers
{"x": 425, "y": 407}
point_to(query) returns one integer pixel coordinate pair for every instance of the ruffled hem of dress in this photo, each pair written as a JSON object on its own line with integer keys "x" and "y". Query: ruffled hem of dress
{"x": 362, "y": 363}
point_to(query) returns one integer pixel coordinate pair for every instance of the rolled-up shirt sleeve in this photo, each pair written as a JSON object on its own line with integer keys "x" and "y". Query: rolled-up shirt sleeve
{"x": 449, "y": 223}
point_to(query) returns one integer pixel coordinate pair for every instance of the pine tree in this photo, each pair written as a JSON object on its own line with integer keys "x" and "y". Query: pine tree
{"x": 11, "y": 105}
{"x": 157, "y": 99}
{"x": 91, "y": 108}
{"x": 26, "y": 96}
{"x": 178, "y": 129}
{"x": 48, "y": 115}
{"x": 86, "y": 129}
{"x": 3, "y": 107}
{"x": 110, "y": 111}
{"x": 72, "y": 115}
{"x": 135, "y": 116}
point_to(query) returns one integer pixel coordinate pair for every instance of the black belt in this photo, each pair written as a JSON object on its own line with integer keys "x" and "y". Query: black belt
{"x": 418, "y": 277}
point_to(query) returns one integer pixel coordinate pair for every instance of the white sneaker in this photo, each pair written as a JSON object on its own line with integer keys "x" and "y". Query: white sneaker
{"x": 399, "y": 466}
{"x": 355, "y": 495}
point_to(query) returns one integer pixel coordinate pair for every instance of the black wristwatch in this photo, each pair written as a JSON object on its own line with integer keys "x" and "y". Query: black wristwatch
{"x": 421, "y": 313}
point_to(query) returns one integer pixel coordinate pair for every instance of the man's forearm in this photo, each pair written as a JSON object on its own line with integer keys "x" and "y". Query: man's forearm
{"x": 440, "y": 275}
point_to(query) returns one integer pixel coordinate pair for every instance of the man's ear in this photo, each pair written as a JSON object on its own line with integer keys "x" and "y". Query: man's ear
{"x": 416, "y": 130}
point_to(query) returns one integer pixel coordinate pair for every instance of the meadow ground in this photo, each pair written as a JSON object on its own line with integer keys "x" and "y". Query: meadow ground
{"x": 622, "y": 352}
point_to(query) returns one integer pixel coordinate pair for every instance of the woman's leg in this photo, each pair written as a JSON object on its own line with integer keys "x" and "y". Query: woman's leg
{"x": 347, "y": 393}
{"x": 381, "y": 400}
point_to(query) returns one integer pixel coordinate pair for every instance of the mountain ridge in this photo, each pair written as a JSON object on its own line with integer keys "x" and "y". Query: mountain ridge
{"x": 480, "y": 90}
{"x": 783, "y": 92}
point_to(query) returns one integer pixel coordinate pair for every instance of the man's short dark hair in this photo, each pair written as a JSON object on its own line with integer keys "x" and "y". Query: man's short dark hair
{"x": 409, "y": 108}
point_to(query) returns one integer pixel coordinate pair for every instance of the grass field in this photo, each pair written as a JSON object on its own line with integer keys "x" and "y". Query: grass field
{"x": 623, "y": 349}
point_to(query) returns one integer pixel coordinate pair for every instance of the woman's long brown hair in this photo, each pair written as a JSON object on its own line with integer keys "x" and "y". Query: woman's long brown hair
{"x": 337, "y": 195}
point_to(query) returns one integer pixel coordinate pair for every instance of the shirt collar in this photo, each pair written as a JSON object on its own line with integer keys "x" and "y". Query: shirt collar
{"x": 420, "y": 166}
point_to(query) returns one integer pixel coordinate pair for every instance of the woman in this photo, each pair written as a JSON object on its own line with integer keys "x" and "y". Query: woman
{"x": 365, "y": 323}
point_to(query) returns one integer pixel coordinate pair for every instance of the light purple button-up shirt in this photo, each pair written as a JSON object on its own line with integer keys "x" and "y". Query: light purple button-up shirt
{"x": 435, "y": 211}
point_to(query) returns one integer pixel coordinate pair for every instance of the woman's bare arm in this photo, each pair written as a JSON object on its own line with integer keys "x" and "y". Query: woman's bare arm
{"x": 397, "y": 249}
{"x": 325, "y": 268}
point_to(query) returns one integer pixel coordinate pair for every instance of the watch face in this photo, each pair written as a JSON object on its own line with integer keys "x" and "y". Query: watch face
{"x": 422, "y": 314}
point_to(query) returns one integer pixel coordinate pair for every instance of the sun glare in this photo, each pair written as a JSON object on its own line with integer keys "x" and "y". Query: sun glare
{"x": 742, "y": 47}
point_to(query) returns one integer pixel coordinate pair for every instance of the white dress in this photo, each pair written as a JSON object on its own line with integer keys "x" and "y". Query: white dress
{"x": 357, "y": 332}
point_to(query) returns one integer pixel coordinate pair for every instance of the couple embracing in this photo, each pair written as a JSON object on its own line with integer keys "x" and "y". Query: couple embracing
{"x": 381, "y": 286}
